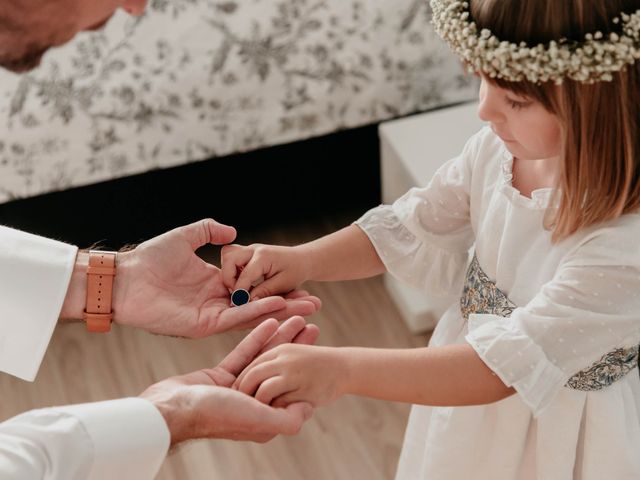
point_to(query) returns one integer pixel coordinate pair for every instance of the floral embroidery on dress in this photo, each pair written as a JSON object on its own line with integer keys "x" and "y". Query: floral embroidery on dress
{"x": 613, "y": 366}
{"x": 482, "y": 296}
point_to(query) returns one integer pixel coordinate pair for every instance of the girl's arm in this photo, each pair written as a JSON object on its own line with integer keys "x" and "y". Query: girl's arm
{"x": 347, "y": 254}
{"x": 451, "y": 375}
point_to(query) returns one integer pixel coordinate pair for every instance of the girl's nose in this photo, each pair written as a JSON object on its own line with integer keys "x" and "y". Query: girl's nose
{"x": 489, "y": 106}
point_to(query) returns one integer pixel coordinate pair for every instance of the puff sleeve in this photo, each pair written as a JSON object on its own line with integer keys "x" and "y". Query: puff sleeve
{"x": 423, "y": 239}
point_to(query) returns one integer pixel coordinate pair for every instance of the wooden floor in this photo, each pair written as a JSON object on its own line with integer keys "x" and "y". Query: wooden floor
{"x": 352, "y": 439}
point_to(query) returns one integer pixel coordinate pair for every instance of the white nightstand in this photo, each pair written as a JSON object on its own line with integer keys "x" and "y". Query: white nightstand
{"x": 412, "y": 150}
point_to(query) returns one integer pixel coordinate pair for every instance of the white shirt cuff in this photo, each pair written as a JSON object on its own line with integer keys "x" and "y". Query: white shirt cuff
{"x": 34, "y": 279}
{"x": 130, "y": 438}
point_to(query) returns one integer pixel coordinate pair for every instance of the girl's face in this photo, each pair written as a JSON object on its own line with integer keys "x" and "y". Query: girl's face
{"x": 529, "y": 131}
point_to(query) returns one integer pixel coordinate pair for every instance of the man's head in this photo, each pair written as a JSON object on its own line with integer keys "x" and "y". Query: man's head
{"x": 28, "y": 28}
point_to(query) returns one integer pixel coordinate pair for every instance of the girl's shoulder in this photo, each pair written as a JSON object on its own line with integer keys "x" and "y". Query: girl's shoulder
{"x": 614, "y": 242}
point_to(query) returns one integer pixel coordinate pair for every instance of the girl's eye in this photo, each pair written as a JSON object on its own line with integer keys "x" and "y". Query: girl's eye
{"x": 517, "y": 105}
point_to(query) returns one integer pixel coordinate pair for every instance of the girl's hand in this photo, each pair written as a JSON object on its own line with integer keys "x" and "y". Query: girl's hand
{"x": 294, "y": 373}
{"x": 274, "y": 270}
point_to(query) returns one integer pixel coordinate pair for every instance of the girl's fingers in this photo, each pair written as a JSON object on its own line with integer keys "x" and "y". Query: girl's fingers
{"x": 253, "y": 270}
{"x": 233, "y": 258}
{"x": 284, "y": 400}
{"x": 255, "y": 375}
{"x": 270, "y": 389}
{"x": 313, "y": 299}
{"x": 276, "y": 285}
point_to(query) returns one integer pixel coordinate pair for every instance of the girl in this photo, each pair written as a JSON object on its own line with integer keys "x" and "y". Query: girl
{"x": 534, "y": 373}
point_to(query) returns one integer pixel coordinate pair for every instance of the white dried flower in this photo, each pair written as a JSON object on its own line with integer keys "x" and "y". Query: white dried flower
{"x": 596, "y": 59}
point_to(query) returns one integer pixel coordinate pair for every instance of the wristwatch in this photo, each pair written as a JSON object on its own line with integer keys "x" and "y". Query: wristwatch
{"x": 100, "y": 276}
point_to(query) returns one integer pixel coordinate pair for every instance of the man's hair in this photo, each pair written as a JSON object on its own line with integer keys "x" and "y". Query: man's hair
{"x": 25, "y": 62}
{"x": 599, "y": 176}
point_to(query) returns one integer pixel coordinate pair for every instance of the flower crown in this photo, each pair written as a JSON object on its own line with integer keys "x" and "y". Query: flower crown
{"x": 596, "y": 59}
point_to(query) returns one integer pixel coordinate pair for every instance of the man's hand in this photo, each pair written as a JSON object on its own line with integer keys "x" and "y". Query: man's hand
{"x": 164, "y": 287}
{"x": 200, "y": 404}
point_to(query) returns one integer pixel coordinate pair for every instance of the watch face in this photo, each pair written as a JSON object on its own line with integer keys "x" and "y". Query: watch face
{"x": 240, "y": 297}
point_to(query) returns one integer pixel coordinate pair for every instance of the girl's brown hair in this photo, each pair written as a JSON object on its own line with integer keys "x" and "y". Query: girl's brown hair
{"x": 599, "y": 177}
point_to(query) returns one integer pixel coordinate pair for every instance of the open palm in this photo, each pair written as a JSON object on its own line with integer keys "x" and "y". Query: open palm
{"x": 164, "y": 287}
{"x": 217, "y": 411}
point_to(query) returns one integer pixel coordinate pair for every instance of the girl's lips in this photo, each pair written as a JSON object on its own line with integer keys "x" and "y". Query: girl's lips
{"x": 502, "y": 137}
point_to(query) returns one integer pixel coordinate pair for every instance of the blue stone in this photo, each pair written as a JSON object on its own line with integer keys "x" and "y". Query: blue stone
{"x": 240, "y": 297}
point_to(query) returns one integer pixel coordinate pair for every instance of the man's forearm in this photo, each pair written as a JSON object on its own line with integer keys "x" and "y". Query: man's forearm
{"x": 344, "y": 255}
{"x": 439, "y": 376}
{"x": 76, "y": 297}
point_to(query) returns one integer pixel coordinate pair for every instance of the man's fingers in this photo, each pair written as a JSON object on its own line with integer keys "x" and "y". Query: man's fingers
{"x": 218, "y": 233}
{"x": 207, "y": 231}
{"x": 297, "y": 294}
{"x": 264, "y": 420}
{"x": 310, "y": 298}
{"x": 290, "y": 308}
{"x": 297, "y": 414}
{"x": 287, "y": 421}
{"x": 249, "y": 347}
{"x": 250, "y": 314}
{"x": 308, "y": 335}
{"x": 289, "y": 330}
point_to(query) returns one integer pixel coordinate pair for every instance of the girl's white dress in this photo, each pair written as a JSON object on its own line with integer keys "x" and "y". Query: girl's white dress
{"x": 576, "y": 301}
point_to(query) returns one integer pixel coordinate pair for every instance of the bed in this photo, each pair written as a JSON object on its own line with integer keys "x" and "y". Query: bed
{"x": 197, "y": 79}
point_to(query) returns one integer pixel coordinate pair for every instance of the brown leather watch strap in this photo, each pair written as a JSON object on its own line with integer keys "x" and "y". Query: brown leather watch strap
{"x": 100, "y": 276}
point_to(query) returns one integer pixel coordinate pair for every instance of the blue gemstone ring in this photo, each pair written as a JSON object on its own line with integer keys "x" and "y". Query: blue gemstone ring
{"x": 240, "y": 297}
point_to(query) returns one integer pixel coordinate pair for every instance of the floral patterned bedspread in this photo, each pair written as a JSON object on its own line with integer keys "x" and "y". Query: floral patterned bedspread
{"x": 194, "y": 79}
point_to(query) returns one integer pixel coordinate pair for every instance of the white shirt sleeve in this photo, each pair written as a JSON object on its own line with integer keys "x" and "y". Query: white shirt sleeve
{"x": 423, "y": 239}
{"x": 34, "y": 277}
{"x": 123, "y": 439}
{"x": 120, "y": 439}
{"x": 590, "y": 308}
